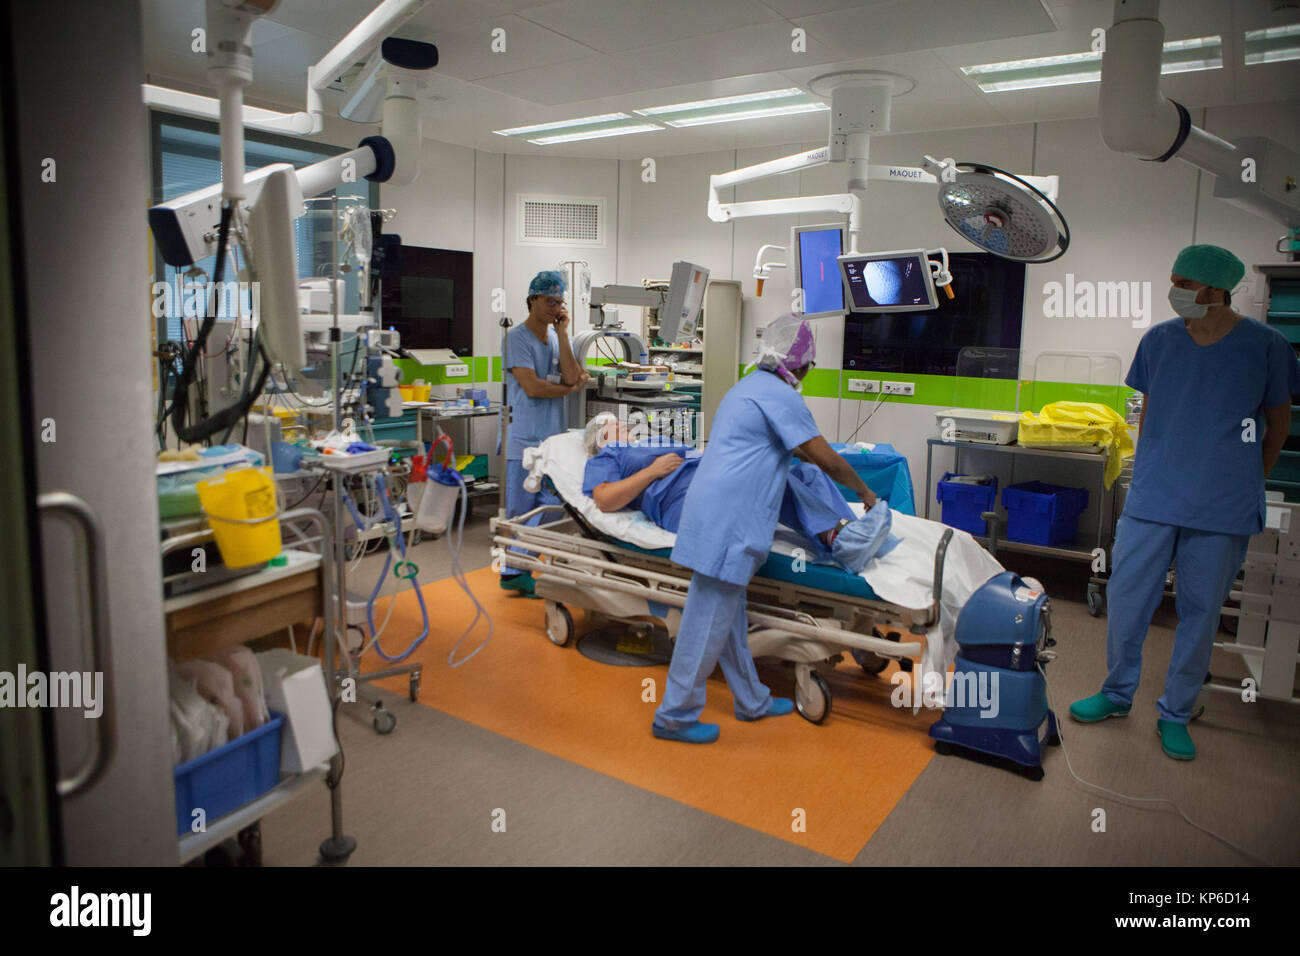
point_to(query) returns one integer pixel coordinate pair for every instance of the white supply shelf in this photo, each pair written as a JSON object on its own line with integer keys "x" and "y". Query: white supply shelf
{"x": 350, "y": 464}
{"x": 298, "y": 562}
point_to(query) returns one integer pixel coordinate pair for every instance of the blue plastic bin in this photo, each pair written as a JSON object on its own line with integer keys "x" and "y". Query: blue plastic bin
{"x": 233, "y": 775}
{"x": 963, "y": 504}
{"x": 1039, "y": 513}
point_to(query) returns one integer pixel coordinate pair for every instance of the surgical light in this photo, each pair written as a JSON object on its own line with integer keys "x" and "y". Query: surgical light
{"x": 1002, "y": 214}
{"x": 1179, "y": 56}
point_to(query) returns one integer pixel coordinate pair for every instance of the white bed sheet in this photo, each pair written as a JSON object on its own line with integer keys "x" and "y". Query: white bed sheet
{"x": 902, "y": 577}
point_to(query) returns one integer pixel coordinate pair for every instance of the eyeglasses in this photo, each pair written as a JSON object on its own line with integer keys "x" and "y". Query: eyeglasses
{"x": 555, "y": 303}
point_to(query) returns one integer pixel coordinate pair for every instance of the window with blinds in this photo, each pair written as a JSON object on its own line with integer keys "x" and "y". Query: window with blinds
{"x": 186, "y": 157}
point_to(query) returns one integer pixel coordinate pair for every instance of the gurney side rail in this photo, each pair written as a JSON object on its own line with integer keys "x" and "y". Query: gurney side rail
{"x": 939, "y": 554}
{"x": 672, "y": 589}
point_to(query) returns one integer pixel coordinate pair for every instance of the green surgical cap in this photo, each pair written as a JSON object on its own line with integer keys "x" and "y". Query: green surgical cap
{"x": 1215, "y": 266}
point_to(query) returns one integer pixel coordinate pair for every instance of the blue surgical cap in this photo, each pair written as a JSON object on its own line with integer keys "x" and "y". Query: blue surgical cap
{"x": 547, "y": 282}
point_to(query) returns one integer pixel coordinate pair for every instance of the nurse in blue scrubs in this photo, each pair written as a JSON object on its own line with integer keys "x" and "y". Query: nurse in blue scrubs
{"x": 726, "y": 527}
{"x": 655, "y": 476}
{"x": 541, "y": 371}
{"x": 1216, "y": 410}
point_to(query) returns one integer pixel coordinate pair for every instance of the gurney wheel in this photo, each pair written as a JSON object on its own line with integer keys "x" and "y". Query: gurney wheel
{"x": 1096, "y": 601}
{"x": 869, "y": 662}
{"x": 385, "y": 721}
{"x": 559, "y": 624}
{"x": 815, "y": 706}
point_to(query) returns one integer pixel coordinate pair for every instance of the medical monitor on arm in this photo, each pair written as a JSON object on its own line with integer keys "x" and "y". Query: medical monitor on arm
{"x": 888, "y": 281}
{"x": 815, "y": 268}
{"x": 679, "y": 319}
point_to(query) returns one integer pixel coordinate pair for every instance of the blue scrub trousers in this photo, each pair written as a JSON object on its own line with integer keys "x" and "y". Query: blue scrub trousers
{"x": 1207, "y": 563}
{"x": 519, "y": 501}
{"x": 714, "y": 630}
{"x": 812, "y": 503}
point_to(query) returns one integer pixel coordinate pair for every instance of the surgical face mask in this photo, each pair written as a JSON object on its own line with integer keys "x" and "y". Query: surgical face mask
{"x": 1185, "y": 304}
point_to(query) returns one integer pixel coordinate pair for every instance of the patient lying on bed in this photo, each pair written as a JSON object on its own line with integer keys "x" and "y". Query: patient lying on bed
{"x": 654, "y": 477}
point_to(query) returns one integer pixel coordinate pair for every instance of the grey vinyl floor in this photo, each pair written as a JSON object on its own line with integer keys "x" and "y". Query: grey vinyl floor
{"x": 427, "y": 793}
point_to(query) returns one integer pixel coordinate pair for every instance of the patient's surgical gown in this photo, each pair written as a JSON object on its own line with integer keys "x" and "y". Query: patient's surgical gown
{"x": 663, "y": 498}
{"x": 811, "y": 502}
{"x": 725, "y": 534}
{"x": 1196, "y": 498}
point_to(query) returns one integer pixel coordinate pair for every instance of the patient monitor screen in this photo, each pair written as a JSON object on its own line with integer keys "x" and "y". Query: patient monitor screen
{"x": 899, "y": 282}
{"x": 819, "y": 270}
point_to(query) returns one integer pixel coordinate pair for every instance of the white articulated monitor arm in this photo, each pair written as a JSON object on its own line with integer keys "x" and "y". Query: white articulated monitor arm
{"x": 361, "y": 43}
{"x": 185, "y": 228}
{"x": 860, "y": 107}
{"x": 1137, "y": 118}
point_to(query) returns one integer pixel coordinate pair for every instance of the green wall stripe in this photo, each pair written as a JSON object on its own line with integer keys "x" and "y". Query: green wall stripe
{"x": 437, "y": 374}
{"x": 997, "y": 394}
{"x": 822, "y": 383}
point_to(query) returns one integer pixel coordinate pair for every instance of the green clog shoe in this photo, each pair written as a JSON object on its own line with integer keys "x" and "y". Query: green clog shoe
{"x": 1089, "y": 710}
{"x": 1175, "y": 740}
{"x": 523, "y": 583}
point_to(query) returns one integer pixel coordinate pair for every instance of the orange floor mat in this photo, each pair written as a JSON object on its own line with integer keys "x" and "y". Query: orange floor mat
{"x": 845, "y": 775}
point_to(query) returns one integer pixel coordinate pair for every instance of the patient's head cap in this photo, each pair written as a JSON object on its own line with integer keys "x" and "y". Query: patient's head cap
{"x": 787, "y": 344}
{"x": 593, "y": 439}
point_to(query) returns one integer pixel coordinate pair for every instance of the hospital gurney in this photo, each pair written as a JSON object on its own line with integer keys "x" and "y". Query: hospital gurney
{"x": 616, "y": 566}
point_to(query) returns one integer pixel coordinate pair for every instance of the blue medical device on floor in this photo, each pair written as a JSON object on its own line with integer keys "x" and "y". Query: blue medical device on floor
{"x": 997, "y": 702}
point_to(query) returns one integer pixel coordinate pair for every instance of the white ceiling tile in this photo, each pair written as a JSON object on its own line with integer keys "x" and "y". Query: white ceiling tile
{"x": 924, "y": 24}
{"x": 808, "y": 8}
{"x": 758, "y": 49}
{"x": 617, "y": 25}
{"x": 468, "y": 53}
{"x": 443, "y": 15}
{"x": 575, "y": 81}
{"x": 331, "y": 19}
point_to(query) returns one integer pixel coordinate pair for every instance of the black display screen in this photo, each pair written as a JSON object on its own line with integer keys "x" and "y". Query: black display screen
{"x": 428, "y": 296}
{"x": 984, "y": 319}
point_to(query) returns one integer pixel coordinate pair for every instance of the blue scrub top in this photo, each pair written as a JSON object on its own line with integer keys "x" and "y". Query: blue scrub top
{"x": 662, "y": 499}
{"x": 1192, "y": 467}
{"x": 533, "y": 420}
{"x": 731, "y": 508}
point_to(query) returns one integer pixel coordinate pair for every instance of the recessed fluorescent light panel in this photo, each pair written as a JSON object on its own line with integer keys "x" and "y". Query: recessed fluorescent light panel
{"x": 1180, "y": 56}
{"x": 1273, "y": 45}
{"x": 586, "y": 127}
{"x": 730, "y": 109}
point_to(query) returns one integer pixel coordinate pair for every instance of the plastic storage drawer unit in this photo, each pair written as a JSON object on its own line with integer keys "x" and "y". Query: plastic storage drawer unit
{"x": 1039, "y": 513}
{"x": 232, "y": 776}
{"x": 963, "y": 503}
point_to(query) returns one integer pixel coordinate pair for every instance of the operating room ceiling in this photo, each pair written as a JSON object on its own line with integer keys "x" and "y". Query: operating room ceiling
{"x": 577, "y": 58}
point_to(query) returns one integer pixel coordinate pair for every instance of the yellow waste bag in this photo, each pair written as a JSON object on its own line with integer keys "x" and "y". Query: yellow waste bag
{"x": 1079, "y": 423}
{"x": 241, "y": 508}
